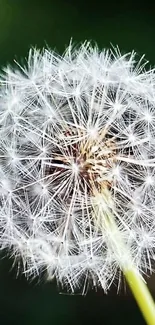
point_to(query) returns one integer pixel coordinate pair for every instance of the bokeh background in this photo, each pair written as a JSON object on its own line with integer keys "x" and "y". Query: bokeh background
{"x": 25, "y": 23}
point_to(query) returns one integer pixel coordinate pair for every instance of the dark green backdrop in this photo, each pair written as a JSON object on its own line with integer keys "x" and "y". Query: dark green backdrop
{"x": 23, "y": 23}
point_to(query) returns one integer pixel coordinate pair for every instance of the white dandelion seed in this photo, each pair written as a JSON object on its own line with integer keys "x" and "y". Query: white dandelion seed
{"x": 77, "y": 165}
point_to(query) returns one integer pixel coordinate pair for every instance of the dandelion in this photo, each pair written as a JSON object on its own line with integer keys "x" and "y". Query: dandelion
{"x": 77, "y": 168}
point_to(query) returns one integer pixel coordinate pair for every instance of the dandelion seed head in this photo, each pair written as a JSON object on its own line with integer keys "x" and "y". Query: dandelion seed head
{"x": 77, "y": 152}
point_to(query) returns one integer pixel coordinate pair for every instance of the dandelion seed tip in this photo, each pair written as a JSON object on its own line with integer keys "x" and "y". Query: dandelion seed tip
{"x": 75, "y": 168}
{"x": 149, "y": 180}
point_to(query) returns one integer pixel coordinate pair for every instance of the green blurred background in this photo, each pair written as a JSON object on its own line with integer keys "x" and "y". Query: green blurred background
{"x": 25, "y": 23}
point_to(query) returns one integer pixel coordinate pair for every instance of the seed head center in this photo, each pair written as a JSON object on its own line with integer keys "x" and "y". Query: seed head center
{"x": 95, "y": 161}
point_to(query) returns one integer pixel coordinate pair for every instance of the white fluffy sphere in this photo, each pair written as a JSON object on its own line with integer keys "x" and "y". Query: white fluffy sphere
{"x": 77, "y": 150}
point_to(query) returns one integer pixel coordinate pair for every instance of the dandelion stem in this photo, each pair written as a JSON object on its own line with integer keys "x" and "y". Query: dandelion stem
{"x": 104, "y": 219}
{"x": 142, "y": 295}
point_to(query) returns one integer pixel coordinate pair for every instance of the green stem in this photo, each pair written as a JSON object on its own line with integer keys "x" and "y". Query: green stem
{"x": 105, "y": 221}
{"x": 142, "y": 295}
